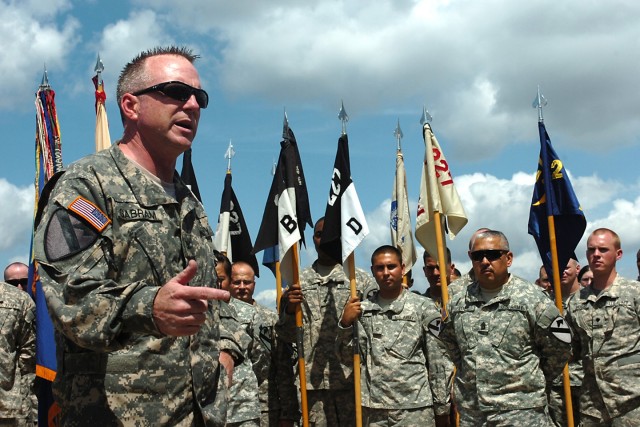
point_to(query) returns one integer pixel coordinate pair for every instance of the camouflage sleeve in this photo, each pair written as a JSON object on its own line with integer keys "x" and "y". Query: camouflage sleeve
{"x": 86, "y": 304}
{"x": 553, "y": 340}
{"x": 576, "y": 347}
{"x": 448, "y": 337}
{"x": 286, "y": 325}
{"x": 439, "y": 364}
{"x": 233, "y": 338}
{"x": 27, "y": 358}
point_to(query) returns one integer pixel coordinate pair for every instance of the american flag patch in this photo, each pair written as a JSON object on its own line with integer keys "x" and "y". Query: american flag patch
{"x": 90, "y": 212}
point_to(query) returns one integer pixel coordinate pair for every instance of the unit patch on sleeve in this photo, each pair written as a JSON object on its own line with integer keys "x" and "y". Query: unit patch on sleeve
{"x": 560, "y": 329}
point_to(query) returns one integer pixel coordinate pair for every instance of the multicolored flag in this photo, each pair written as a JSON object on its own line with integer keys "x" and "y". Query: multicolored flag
{"x": 232, "y": 235}
{"x": 287, "y": 211}
{"x": 437, "y": 194}
{"x": 48, "y": 162}
{"x": 553, "y": 196}
{"x": 103, "y": 138}
{"x": 345, "y": 225}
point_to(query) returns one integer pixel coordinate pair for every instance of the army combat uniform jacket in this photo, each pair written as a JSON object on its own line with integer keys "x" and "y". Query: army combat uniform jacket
{"x": 607, "y": 339}
{"x": 324, "y": 299}
{"x": 507, "y": 349}
{"x": 272, "y": 361}
{"x": 402, "y": 365}
{"x": 244, "y": 404}
{"x": 108, "y": 238}
{"x": 17, "y": 356}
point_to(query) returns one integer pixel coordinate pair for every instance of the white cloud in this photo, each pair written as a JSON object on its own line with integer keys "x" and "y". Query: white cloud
{"x": 503, "y": 204}
{"x": 15, "y": 221}
{"x": 32, "y": 39}
{"x": 472, "y": 62}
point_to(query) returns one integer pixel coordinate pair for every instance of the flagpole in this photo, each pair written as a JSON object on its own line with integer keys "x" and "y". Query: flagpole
{"x": 344, "y": 118}
{"x": 437, "y": 220}
{"x": 299, "y": 340}
{"x": 540, "y": 102}
{"x": 356, "y": 343}
{"x": 398, "y": 134}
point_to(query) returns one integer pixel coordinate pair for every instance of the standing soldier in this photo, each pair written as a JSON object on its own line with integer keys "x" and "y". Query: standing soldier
{"x": 506, "y": 339}
{"x": 323, "y": 291}
{"x": 124, "y": 249}
{"x": 405, "y": 380}
{"x": 18, "y": 403}
{"x": 606, "y": 326}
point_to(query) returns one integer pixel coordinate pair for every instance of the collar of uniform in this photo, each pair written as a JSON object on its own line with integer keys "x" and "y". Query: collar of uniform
{"x": 147, "y": 192}
{"x": 474, "y": 295}
{"x": 395, "y": 307}
{"x": 612, "y": 292}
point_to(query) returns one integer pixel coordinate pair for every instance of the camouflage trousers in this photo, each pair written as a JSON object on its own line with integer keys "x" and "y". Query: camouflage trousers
{"x": 630, "y": 419}
{"x": 331, "y": 408}
{"x": 423, "y": 417}
{"x": 557, "y": 408}
{"x": 530, "y": 417}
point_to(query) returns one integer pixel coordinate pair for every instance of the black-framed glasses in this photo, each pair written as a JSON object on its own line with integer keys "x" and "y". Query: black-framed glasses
{"x": 179, "y": 91}
{"x": 15, "y": 282}
{"x": 489, "y": 254}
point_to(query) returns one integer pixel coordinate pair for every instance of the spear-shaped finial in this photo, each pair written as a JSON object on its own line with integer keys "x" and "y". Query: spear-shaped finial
{"x": 398, "y": 134}
{"x": 285, "y": 126}
{"x": 228, "y": 155}
{"x": 344, "y": 118}
{"x": 99, "y": 68}
{"x": 539, "y": 102}
{"x": 45, "y": 79}
{"x": 426, "y": 117}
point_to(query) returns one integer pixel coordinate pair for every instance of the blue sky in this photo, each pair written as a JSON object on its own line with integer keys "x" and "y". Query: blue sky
{"x": 475, "y": 65}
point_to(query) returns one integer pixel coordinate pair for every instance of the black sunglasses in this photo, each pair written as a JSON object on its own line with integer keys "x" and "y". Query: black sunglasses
{"x": 489, "y": 254}
{"x": 15, "y": 282}
{"x": 179, "y": 91}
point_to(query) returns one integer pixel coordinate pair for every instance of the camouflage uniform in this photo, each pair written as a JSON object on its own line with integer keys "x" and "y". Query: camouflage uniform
{"x": 329, "y": 376}
{"x": 505, "y": 352}
{"x": 606, "y": 328}
{"x": 402, "y": 361}
{"x": 101, "y": 268}
{"x": 272, "y": 361}
{"x": 244, "y": 405}
{"x": 17, "y": 356}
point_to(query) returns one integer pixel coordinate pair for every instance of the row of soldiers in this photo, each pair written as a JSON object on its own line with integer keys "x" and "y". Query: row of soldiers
{"x": 144, "y": 338}
{"x": 502, "y": 335}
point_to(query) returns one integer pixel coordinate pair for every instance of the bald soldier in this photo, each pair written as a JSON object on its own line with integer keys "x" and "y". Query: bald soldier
{"x": 506, "y": 339}
{"x": 606, "y": 325}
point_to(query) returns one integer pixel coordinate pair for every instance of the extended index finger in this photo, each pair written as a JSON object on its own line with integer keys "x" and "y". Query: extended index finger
{"x": 203, "y": 293}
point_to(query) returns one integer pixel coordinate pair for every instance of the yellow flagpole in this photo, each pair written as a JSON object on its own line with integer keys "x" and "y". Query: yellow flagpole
{"x": 300, "y": 342}
{"x": 442, "y": 264}
{"x": 557, "y": 290}
{"x": 356, "y": 347}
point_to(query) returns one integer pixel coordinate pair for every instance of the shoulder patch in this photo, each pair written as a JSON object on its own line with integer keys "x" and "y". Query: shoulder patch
{"x": 560, "y": 330}
{"x": 90, "y": 213}
{"x": 66, "y": 235}
{"x": 435, "y": 326}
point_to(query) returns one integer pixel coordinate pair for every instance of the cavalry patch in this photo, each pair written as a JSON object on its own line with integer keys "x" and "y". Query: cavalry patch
{"x": 435, "y": 327}
{"x": 89, "y": 212}
{"x": 560, "y": 330}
